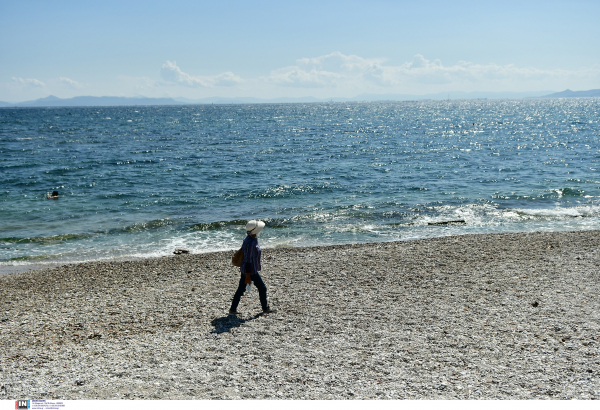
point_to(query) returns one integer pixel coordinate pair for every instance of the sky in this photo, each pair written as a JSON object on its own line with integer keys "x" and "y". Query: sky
{"x": 273, "y": 49}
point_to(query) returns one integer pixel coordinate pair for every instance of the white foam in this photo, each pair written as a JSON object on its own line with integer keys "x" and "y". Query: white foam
{"x": 579, "y": 211}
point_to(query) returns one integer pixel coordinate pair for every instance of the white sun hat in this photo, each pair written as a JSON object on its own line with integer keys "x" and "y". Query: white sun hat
{"x": 254, "y": 227}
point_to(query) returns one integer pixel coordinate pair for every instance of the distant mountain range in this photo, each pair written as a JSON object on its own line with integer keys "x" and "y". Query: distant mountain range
{"x": 570, "y": 94}
{"x": 368, "y": 97}
{"x": 52, "y": 101}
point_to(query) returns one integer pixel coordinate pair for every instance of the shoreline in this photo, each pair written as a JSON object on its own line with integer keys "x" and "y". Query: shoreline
{"x": 20, "y": 268}
{"x": 486, "y": 316}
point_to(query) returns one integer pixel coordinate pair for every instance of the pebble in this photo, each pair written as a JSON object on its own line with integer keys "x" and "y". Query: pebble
{"x": 444, "y": 318}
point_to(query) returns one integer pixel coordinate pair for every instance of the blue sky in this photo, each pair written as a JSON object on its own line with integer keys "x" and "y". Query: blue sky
{"x": 270, "y": 49}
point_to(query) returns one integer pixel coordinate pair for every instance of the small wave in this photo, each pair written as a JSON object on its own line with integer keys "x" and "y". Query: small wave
{"x": 144, "y": 226}
{"x": 46, "y": 239}
{"x": 209, "y": 226}
{"x": 30, "y": 258}
{"x": 552, "y": 194}
{"x": 285, "y": 191}
{"x": 573, "y": 212}
{"x": 272, "y": 223}
{"x": 567, "y": 192}
{"x": 398, "y": 224}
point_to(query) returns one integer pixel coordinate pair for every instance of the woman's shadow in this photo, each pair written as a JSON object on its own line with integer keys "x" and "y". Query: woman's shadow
{"x": 226, "y": 323}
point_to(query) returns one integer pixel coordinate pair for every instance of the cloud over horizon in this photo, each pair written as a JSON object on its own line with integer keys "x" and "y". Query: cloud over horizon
{"x": 70, "y": 83}
{"x": 32, "y": 82}
{"x": 337, "y": 70}
{"x": 328, "y": 76}
{"x": 332, "y": 70}
{"x": 171, "y": 73}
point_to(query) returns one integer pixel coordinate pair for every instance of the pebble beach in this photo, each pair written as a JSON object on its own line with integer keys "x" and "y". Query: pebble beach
{"x": 493, "y": 316}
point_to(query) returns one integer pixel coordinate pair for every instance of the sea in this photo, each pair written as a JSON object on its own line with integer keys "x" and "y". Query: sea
{"x": 141, "y": 181}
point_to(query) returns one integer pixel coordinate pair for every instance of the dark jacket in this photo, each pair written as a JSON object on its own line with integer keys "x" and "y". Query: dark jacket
{"x": 251, "y": 261}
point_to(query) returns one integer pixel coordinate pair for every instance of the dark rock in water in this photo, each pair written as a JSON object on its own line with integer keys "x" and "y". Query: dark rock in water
{"x": 535, "y": 304}
{"x": 179, "y": 251}
{"x": 458, "y": 221}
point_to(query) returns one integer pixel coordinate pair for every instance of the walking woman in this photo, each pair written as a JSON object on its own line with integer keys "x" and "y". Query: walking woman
{"x": 250, "y": 268}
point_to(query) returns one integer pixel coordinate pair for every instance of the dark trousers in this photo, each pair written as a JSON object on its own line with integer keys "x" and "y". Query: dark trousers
{"x": 260, "y": 286}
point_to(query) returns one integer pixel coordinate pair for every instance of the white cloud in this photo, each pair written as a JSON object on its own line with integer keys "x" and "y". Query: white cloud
{"x": 297, "y": 77}
{"x": 339, "y": 62}
{"x": 171, "y": 73}
{"x": 69, "y": 83}
{"x": 424, "y": 71}
{"x": 225, "y": 79}
{"x": 32, "y": 82}
{"x": 352, "y": 72}
{"x": 332, "y": 70}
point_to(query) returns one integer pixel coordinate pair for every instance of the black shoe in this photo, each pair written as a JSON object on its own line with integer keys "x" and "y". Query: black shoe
{"x": 233, "y": 312}
{"x": 269, "y": 310}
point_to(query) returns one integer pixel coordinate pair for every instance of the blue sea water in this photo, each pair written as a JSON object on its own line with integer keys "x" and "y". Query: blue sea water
{"x": 142, "y": 181}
